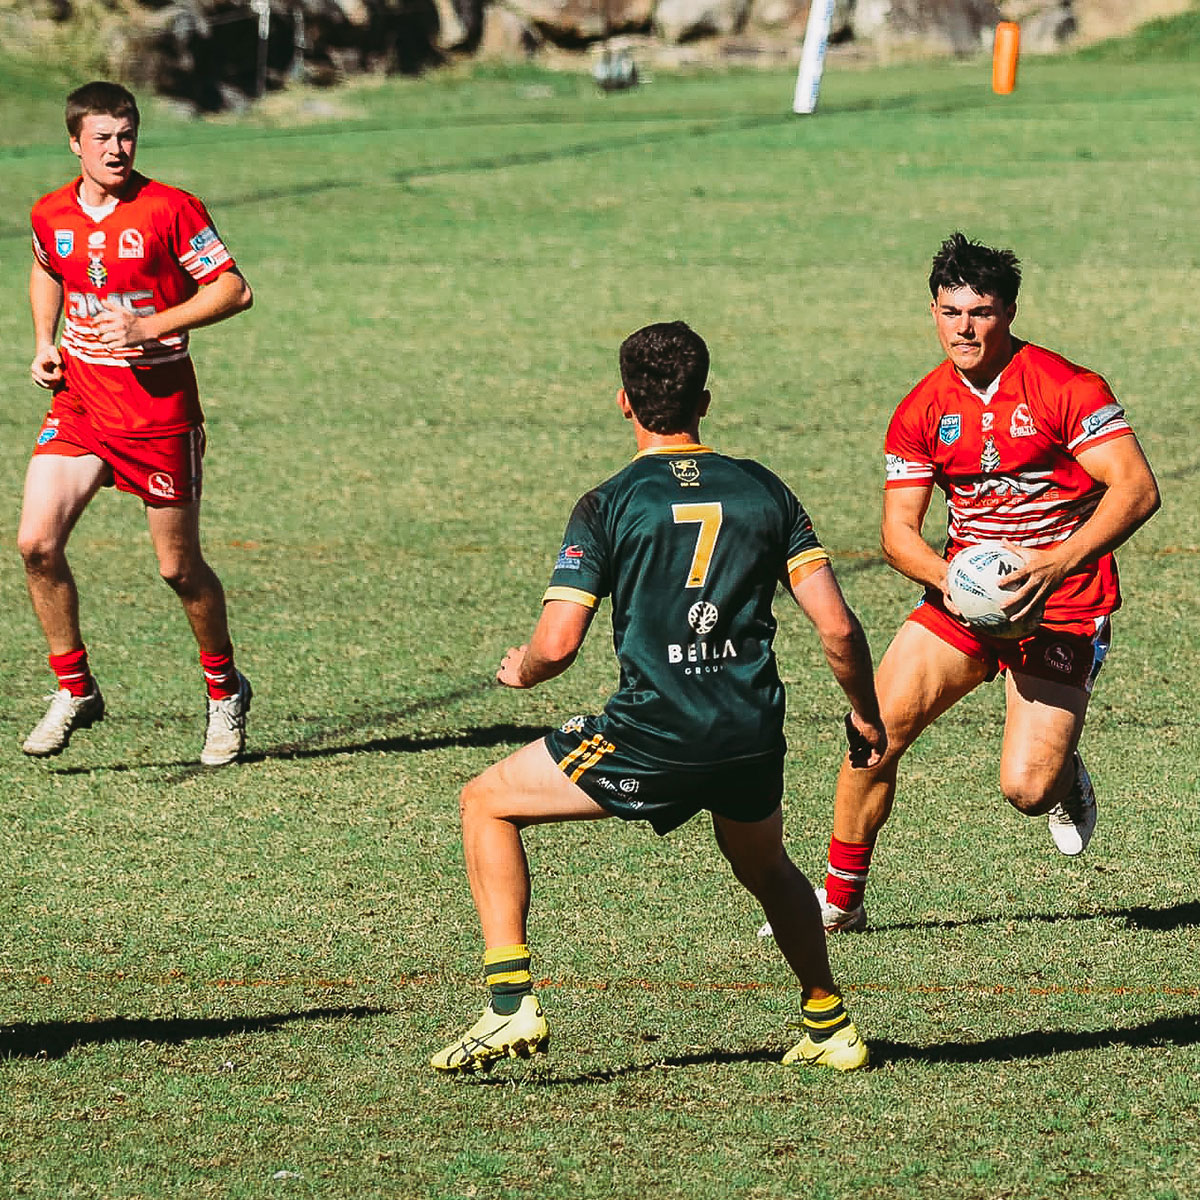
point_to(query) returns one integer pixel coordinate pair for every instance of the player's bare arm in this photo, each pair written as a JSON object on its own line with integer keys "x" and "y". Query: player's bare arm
{"x": 120, "y": 327}
{"x": 551, "y": 650}
{"x": 45, "y": 303}
{"x": 1130, "y": 499}
{"x": 904, "y": 549}
{"x": 846, "y": 650}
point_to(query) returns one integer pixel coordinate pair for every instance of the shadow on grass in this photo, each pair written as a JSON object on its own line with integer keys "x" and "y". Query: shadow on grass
{"x": 55, "y": 1039}
{"x": 485, "y": 735}
{"x": 1175, "y": 1031}
{"x": 488, "y": 735}
{"x": 313, "y": 745}
{"x": 1173, "y": 916}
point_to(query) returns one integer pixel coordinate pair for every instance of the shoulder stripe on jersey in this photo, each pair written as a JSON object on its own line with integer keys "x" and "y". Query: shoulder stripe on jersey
{"x": 905, "y": 471}
{"x": 574, "y": 595}
{"x": 807, "y": 561}
{"x": 1115, "y": 427}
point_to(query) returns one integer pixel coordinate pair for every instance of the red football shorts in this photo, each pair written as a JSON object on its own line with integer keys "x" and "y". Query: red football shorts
{"x": 1071, "y": 653}
{"x": 165, "y": 472}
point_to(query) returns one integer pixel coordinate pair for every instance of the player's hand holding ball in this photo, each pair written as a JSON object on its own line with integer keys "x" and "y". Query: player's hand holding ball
{"x": 999, "y": 589}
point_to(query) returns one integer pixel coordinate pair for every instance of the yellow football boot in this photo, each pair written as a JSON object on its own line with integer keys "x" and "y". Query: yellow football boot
{"x": 519, "y": 1035}
{"x": 843, "y": 1050}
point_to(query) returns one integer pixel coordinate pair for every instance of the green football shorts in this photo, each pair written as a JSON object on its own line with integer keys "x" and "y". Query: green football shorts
{"x": 637, "y": 789}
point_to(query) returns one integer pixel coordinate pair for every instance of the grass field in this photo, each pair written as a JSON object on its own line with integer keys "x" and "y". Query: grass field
{"x": 227, "y": 984}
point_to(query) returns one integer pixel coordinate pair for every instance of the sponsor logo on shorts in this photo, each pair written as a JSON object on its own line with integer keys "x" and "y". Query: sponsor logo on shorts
{"x": 702, "y": 616}
{"x": 687, "y": 471}
{"x": 573, "y": 725}
{"x": 1022, "y": 422}
{"x": 628, "y": 786}
{"x": 64, "y": 242}
{"x": 131, "y": 244}
{"x": 1060, "y": 657}
{"x": 570, "y": 558}
{"x": 47, "y": 435}
{"x": 161, "y": 484}
{"x": 949, "y": 428}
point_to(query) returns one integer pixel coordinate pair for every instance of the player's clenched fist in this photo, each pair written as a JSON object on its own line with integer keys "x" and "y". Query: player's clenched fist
{"x": 46, "y": 367}
{"x": 510, "y": 667}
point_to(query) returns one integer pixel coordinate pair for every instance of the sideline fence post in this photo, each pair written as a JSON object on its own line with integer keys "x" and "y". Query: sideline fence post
{"x": 1005, "y": 52}
{"x": 812, "y": 56}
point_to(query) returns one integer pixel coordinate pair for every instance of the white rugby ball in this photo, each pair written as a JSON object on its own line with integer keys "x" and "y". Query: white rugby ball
{"x": 974, "y": 582}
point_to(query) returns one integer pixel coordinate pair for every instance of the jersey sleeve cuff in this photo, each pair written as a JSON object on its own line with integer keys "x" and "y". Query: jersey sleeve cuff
{"x": 572, "y": 595}
{"x": 802, "y": 565}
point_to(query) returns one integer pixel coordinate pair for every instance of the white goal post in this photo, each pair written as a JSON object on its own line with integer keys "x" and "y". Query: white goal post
{"x": 812, "y": 57}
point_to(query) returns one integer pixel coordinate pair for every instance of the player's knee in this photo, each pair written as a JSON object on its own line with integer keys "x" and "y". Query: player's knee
{"x": 176, "y": 576}
{"x": 40, "y": 552}
{"x": 472, "y": 800}
{"x": 185, "y": 577}
{"x": 1029, "y": 794}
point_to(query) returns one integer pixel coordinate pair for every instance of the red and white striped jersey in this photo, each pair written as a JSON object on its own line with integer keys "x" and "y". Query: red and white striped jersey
{"x": 1007, "y": 463}
{"x": 150, "y": 252}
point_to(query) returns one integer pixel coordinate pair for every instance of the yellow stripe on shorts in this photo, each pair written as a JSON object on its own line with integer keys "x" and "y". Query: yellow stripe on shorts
{"x": 590, "y": 752}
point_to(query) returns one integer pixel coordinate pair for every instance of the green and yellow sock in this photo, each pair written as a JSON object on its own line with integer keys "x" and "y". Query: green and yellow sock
{"x": 506, "y": 970}
{"x": 824, "y": 1017}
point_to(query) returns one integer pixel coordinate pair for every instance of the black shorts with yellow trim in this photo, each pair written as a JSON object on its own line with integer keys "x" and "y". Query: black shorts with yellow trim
{"x": 588, "y": 752}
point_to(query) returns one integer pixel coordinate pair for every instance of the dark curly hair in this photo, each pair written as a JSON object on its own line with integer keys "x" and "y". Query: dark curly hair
{"x": 664, "y": 368}
{"x": 961, "y": 262}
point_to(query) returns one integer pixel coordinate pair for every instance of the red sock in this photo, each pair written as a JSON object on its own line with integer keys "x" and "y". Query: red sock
{"x": 72, "y": 672}
{"x": 846, "y": 882}
{"x": 219, "y": 674}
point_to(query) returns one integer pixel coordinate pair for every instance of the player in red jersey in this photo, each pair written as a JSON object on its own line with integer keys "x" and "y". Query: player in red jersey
{"x": 130, "y": 266}
{"x": 1028, "y": 448}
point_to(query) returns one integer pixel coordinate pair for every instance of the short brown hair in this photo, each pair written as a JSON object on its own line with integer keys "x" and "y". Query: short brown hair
{"x": 100, "y": 98}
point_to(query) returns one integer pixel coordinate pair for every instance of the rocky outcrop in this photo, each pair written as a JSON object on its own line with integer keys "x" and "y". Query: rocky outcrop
{"x": 208, "y": 52}
{"x": 580, "y": 22}
{"x": 947, "y": 26}
{"x": 684, "y": 20}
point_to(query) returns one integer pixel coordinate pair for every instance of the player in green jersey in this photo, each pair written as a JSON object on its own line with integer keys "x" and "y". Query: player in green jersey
{"x": 690, "y": 546}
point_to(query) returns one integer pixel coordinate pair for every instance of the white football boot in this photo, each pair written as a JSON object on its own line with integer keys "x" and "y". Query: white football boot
{"x": 841, "y": 920}
{"x": 835, "y": 920}
{"x": 66, "y": 714}
{"x": 225, "y": 735}
{"x": 1073, "y": 820}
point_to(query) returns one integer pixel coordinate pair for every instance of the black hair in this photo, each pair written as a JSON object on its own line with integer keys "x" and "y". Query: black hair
{"x": 664, "y": 368}
{"x": 961, "y": 262}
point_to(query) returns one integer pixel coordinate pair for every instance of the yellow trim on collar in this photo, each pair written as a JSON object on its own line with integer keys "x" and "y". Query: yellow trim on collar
{"x": 688, "y": 448}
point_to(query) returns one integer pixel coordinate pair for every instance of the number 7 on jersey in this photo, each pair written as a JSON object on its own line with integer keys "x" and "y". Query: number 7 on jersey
{"x": 708, "y": 517}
